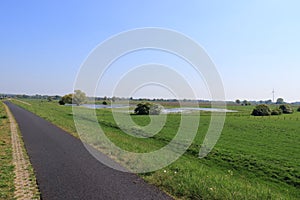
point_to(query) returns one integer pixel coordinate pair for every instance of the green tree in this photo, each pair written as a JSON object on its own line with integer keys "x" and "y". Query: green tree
{"x": 238, "y": 101}
{"x": 246, "y": 103}
{"x": 298, "y": 109}
{"x": 261, "y": 110}
{"x": 79, "y": 97}
{"x": 268, "y": 101}
{"x": 286, "y": 109}
{"x": 61, "y": 102}
{"x": 146, "y": 108}
{"x": 142, "y": 108}
{"x": 280, "y": 101}
{"x": 66, "y": 99}
{"x": 155, "y": 109}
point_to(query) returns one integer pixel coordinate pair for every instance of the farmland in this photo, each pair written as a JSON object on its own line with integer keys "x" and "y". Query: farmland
{"x": 255, "y": 157}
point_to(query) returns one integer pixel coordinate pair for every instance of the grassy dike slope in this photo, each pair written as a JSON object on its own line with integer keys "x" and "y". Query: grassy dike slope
{"x": 6, "y": 165}
{"x": 255, "y": 158}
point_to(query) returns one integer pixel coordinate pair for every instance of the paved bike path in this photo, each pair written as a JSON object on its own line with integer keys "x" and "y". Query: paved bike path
{"x": 65, "y": 170}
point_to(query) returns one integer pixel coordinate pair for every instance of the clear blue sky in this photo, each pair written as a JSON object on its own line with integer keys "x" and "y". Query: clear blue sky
{"x": 254, "y": 44}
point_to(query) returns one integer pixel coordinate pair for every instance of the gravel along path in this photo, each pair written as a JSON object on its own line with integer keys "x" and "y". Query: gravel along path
{"x": 66, "y": 170}
{"x": 25, "y": 184}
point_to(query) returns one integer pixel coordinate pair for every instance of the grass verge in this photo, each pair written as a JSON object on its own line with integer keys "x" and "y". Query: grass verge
{"x": 255, "y": 158}
{"x": 24, "y": 181}
{"x": 6, "y": 163}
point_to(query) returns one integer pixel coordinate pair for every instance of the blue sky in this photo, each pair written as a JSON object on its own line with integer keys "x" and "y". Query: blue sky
{"x": 254, "y": 44}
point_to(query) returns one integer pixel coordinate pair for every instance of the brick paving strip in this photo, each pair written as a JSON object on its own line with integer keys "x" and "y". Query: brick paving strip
{"x": 25, "y": 184}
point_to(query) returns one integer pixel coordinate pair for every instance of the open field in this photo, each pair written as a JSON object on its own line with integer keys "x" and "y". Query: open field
{"x": 6, "y": 165}
{"x": 255, "y": 158}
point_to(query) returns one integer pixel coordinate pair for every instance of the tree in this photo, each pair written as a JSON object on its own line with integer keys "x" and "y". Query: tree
{"x": 298, "y": 109}
{"x": 146, "y": 108}
{"x": 66, "y": 99}
{"x": 61, "y": 102}
{"x": 286, "y": 109}
{"x": 261, "y": 110}
{"x": 238, "y": 101}
{"x": 79, "y": 97}
{"x": 142, "y": 108}
{"x": 280, "y": 101}
{"x": 268, "y": 101}
{"x": 155, "y": 109}
{"x": 246, "y": 103}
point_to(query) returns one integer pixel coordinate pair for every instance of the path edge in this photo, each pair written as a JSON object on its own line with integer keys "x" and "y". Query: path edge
{"x": 25, "y": 182}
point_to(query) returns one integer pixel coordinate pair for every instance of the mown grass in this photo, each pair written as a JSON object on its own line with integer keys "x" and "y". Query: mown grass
{"x": 6, "y": 165}
{"x": 255, "y": 157}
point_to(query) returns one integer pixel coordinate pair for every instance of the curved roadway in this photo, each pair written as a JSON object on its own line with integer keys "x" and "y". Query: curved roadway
{"x": 65, "y": 170}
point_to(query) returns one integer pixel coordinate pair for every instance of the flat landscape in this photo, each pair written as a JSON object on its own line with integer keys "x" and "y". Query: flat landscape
{"x": 185, "y": 100}
{"x": 255, "y": 157}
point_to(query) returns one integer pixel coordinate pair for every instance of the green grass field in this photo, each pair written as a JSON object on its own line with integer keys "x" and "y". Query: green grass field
{"x": 6, "y": 165}
{"x": 255, "y": 157}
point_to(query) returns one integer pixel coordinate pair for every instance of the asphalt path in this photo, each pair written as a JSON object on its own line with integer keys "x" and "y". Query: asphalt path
{"x": 65, "y": 170}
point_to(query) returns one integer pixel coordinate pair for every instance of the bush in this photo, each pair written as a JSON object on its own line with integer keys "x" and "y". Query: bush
{"x": 61, "y": 102}
{"x": 261, "y": 110}
{"x": 77, "y": 98}
{"x": 276, "y": 112}
{"x": 146, "y": 108}
{"x": 298, "y": 109}
{"x": 155, "y": 109}
{"x": 286, "y": 109}
{"x": 66, "y": 99}
{"x": 104, "y": 103}
{"x": 142, "y": 109}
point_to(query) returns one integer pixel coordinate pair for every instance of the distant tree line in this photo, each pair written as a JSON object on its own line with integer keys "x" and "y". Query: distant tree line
{"x": 268, "y": 102}
{"x": 25, "y": 96}
{"x": 243, "y": 103}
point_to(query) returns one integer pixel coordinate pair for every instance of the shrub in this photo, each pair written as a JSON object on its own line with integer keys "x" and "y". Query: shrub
{"x": 286, "y": 109}
{"x": 104, "y": 103}
{"x": 61, "y": 102}
{"x": 146, "y": 108}
{"x": 261, "y": 110}
{"x": 276, "y": 112}
{"x": 155, "y": 109}
{"x": 66, "y": 99}
{"x": 77, "y": 98}
{"x": 298, "y": 109}
{"x": 142, "y": 109}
